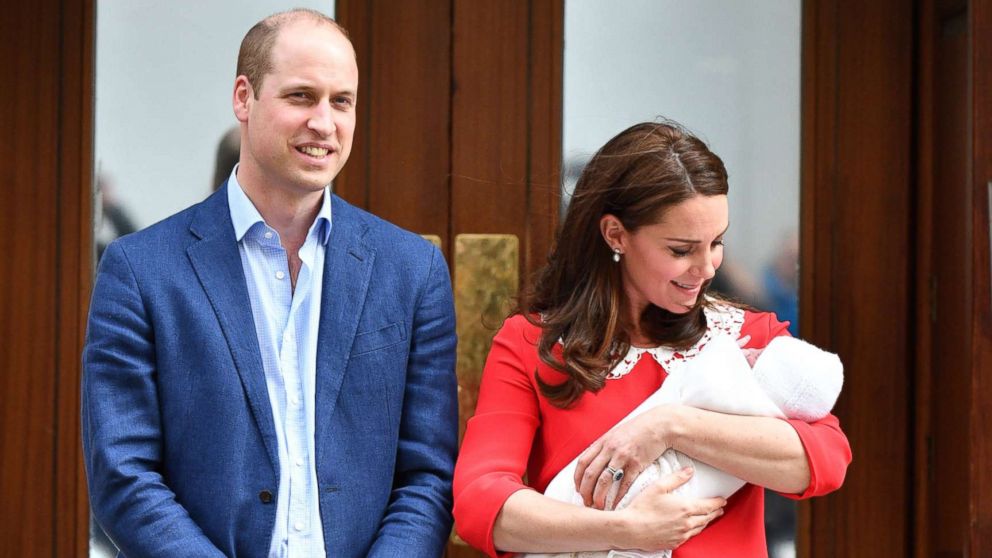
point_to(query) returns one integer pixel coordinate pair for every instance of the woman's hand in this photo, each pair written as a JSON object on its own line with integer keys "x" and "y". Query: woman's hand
{"x": 661, "y": 520}
{"x": 629, "y": 448}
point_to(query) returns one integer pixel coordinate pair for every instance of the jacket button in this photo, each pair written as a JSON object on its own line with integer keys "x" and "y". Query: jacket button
{"x": 265, "y": 496}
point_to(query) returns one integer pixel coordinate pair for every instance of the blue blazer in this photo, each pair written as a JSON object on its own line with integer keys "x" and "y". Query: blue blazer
{"x": 178, "y": 435}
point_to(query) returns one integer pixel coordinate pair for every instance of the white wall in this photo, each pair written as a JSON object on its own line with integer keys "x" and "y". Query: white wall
{"x": 727, "y": 70}
{"x": 164, "y": 81}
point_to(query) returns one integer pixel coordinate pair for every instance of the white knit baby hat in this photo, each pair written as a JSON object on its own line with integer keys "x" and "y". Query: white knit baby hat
{"x": 806, "y": 396}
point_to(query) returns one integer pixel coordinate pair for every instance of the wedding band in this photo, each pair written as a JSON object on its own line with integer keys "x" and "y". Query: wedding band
{"x": 617, "y": 474}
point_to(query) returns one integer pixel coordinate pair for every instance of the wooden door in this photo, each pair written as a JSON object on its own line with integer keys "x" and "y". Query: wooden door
{"x": 45, "y": 166}
{"x": 980, "y": 191}
{"x": 459, "y": 135}
{"x": 950, "y": 264}
{"x": 855, "y": 271}
{"x": 954, "y": 339}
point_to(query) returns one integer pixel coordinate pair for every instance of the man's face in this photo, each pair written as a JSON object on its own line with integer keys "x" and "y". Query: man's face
{"x": 297, "y": 134}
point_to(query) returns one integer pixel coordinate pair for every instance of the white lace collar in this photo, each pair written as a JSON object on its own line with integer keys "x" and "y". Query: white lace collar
{"x": 720, "y": 319}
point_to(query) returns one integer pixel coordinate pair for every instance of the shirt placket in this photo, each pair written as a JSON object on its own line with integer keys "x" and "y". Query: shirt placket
{"x": 297, "y": 446}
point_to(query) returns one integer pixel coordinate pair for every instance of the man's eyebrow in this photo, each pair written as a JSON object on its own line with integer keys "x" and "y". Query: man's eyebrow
{"x": 311, "y": 88}
{"x": 297, "y": 87}
{"x": 691, "y": 241}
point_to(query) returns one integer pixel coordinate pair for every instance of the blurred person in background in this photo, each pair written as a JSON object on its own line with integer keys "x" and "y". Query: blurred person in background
{"x": 228, "y": 153}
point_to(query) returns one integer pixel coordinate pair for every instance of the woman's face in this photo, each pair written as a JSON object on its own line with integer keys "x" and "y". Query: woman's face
{"x": 666, "y": 263}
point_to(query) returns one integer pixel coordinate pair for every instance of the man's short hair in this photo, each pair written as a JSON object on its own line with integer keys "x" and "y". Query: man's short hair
{"x": 255, "y": 56}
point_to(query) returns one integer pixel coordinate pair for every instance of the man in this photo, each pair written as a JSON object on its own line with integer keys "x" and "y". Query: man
{"x": 270, "y": 372}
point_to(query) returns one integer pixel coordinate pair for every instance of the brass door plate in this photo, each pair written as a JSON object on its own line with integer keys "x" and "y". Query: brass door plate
{"x": 487, "y": 276}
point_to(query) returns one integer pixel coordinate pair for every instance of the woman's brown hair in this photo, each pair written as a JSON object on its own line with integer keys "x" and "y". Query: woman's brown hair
{"x": 577, "y": 298}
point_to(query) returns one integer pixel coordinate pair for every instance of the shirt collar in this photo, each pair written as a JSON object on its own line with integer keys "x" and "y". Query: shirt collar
{"x": 244, "y": 214}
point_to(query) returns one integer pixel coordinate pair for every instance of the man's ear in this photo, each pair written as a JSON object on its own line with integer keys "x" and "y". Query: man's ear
{"x": 613, "y": 232}
{"x": 244, "y": 96}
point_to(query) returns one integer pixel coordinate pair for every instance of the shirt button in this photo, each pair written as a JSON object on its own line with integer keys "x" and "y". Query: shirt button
{"x": 299, "y": 462}
{"x": 294, "y": 400}
{"x": 298, "y": 526}
{"x": 280, "y": 275}
{"x": 268, "y": 234}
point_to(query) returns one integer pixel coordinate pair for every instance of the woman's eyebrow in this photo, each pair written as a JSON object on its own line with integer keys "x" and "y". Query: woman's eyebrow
{"x": 690, "y": 241}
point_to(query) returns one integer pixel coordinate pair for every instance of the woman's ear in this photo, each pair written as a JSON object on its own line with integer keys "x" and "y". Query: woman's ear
{"x": 613, "y": 232}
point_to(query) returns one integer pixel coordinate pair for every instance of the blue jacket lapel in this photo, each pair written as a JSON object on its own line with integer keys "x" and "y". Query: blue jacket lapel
{"x": 217, "y": 263}
{"x": 347, "y": 272}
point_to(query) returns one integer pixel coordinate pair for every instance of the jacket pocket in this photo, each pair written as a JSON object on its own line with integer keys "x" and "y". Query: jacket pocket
{"x": 381, "y": 338}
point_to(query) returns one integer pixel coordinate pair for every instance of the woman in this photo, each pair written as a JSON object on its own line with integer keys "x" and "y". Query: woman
{"x": 620, "y": 304}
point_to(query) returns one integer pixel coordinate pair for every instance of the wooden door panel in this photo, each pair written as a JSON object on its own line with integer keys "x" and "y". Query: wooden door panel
{"x": 459, "y": 128}
{"x": 46, "y": 164}
{"x": 980, "y": 186}
{"x": 855, "y": 285}
{"x": 400, "y": 163}
{"x": 951, "y": 271}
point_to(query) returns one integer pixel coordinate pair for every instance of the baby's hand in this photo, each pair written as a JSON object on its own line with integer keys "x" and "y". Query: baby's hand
{"x": 750, "y": 354}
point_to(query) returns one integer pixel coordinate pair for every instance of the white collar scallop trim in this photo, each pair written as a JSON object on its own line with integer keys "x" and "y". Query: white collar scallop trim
{"x": 721, "y": 318}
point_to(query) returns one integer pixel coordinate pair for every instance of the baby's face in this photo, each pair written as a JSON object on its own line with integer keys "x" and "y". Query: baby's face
{"x": 752, "y": 355}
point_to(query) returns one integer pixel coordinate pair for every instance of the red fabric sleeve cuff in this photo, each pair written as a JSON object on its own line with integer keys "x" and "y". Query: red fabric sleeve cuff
{"x": 827, "y": 454}
{"x": 478, "y": 506}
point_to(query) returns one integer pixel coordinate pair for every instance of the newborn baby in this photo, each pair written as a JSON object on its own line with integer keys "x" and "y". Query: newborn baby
{"x": 790, "y": 379}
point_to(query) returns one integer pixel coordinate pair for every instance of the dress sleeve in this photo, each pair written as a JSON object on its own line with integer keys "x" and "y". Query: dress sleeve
{"x": 498, "y": 438}
{"x": 827, "y": 449}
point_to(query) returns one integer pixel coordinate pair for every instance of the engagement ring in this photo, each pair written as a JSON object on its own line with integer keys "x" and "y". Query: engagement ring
{"x": 617, "y": 474}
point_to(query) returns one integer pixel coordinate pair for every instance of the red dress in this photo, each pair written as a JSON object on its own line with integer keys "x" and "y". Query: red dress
{"x": 515, "y": 431}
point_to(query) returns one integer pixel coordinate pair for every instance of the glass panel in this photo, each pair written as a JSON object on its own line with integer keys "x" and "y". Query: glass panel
{"x": 164, "y": 82}
{"x": 730, "y": 72}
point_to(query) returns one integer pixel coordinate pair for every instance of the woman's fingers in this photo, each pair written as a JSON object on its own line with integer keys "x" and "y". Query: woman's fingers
{"x": 675, "y": 480}
{"x": 701, "y": 522}
{"x": 670, "y": 519}
{"x": 585, "y": 458}
{"x": 607, "y": 469}
{"x": 709, "y": 506}
{"x": 592, "y": 475}
{"x": 629, "y": 476}
{"x": 607, "y": 480}
{"x": 706, "y": 510}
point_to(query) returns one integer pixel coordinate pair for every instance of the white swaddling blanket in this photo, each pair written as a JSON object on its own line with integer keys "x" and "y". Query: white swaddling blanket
{"x": 790, "y": 379}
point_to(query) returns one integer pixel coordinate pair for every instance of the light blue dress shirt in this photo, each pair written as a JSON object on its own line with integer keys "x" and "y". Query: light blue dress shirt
{"x": 286, "y": 324}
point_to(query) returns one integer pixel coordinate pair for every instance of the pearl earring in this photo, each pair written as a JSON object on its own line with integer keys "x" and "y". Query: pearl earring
{"x": 616, "y": 255}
